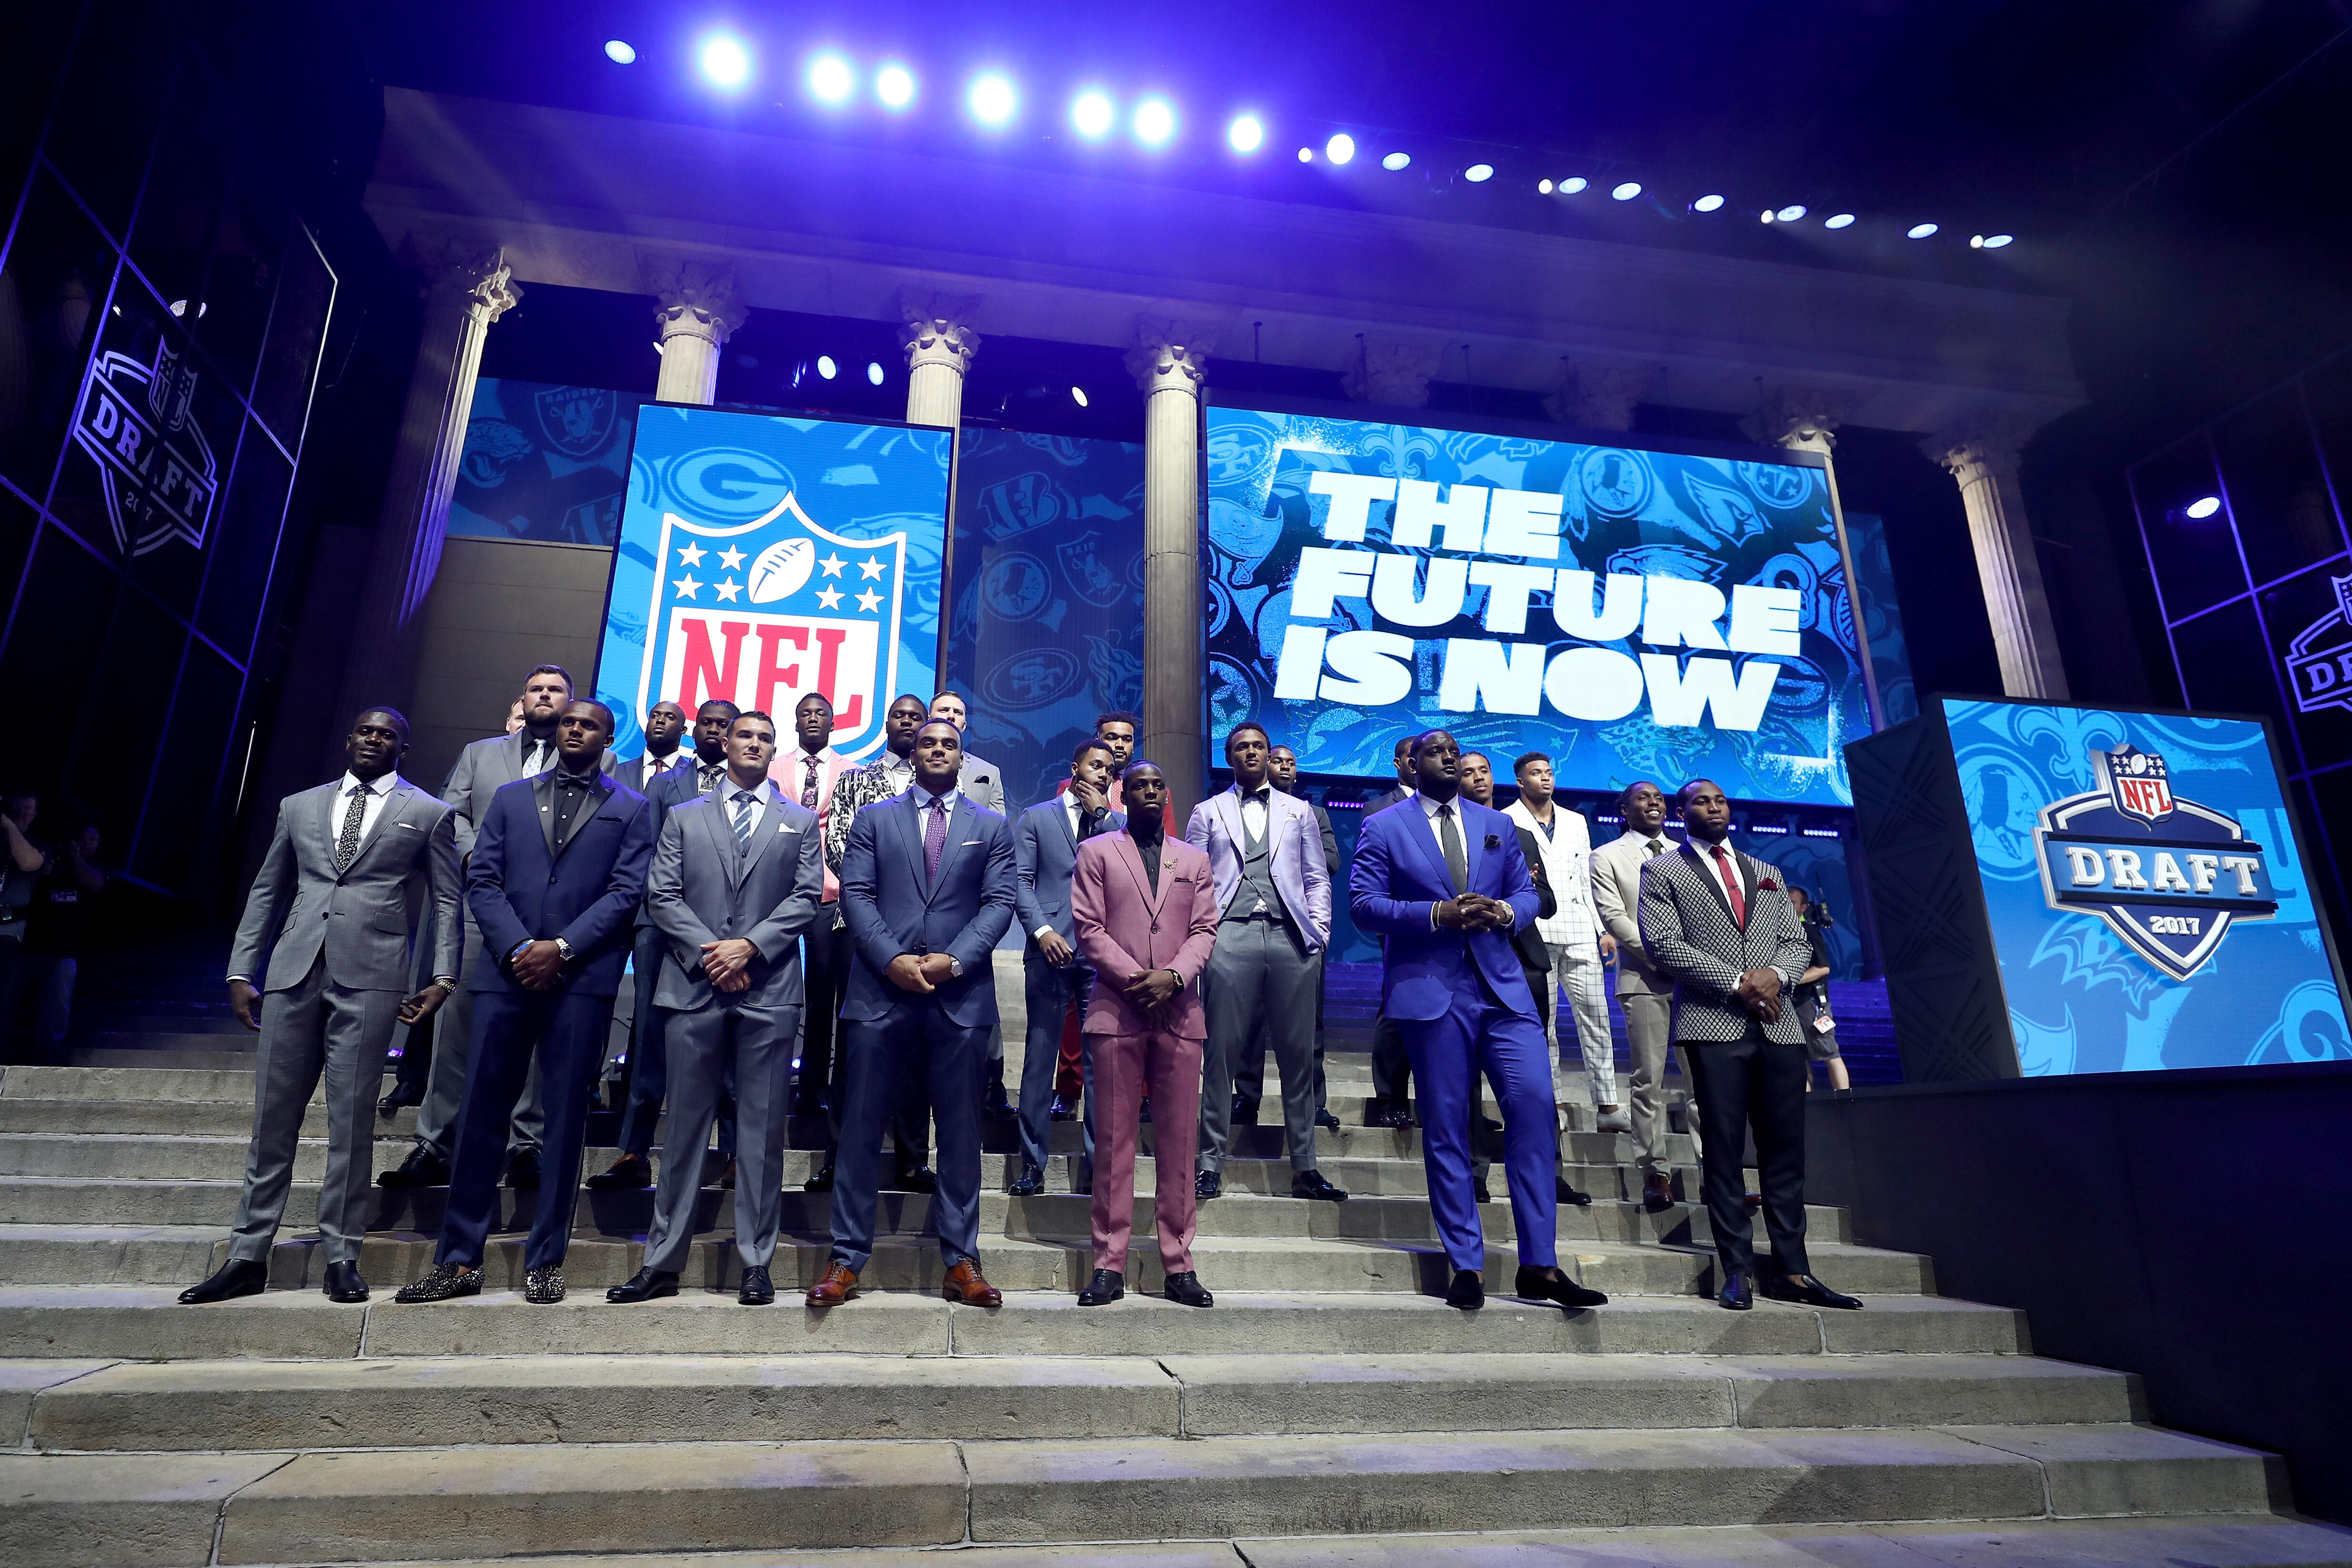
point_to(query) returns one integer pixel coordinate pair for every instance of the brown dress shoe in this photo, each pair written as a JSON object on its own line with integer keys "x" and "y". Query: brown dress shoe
{"x": 839, "y": 1285}
{"x": 1657, "y": 1191}
{"x": 964, "y": 1284}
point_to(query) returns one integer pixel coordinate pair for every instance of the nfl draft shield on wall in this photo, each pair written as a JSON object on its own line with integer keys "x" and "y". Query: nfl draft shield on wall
{"x": 763, "y": 558}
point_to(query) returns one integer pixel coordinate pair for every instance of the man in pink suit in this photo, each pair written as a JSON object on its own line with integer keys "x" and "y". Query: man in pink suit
{"x": 1145, "y": 906}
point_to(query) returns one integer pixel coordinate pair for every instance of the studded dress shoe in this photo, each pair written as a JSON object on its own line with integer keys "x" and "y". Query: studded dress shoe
{"x": 446, "y": 1283}
{"x": 630, "y": 1172}
{"x": 1467, "y": 1291}
{"x": 403, "y": 1095}
{"x": 1739, "y": 1293}
{"x": 820, "y": 1182}
{"x": 1029, "y": 1183}
{"x": 1311, "y": 1184}
{"x": 1568, "y": 1195}
{"x": 423, "y": 1168}
{"x": 964, "y": 1284}
{"x": 543, "y": 1287}
{"x": 757, "y": 1289}
{"x": 838, "y": 1285}
{"x": 1186, "y": 1291}
{"x": 1807, "y": 1291}
{"x": 644, "y": 1285}
{"x": 1657, "y": 1191}
{"x": 1535, "y": 1284}
{"x": 343, "y": 1284}
{"x": 1106, "y": 1287}
{"x": 522, "y": 1170}
{"x": 1207, "y": 1183}
{"x": 915, "y": 1179}
{"x": 237, "y": 1277}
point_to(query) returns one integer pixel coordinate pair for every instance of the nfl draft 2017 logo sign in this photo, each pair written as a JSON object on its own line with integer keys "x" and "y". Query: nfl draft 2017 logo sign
{"x": 2319, "y": 660}
{"x": 763, "y": 612}
{"x": 152, "y": 457}
{"x": 2166, "y": 875}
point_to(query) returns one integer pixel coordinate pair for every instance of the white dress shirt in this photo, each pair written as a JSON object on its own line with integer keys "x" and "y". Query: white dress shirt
{"x": 1074, "y": 813}
{"x": 1428, "y": 810}
{"x": 1725, "y": 871}
{"x": 1255, "y": 809}
{"x": 654, "y": 767}
{"x": 761, "y": 793}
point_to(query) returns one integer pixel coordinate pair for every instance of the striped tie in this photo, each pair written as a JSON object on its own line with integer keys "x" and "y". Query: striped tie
{"x": 744, "y": 801}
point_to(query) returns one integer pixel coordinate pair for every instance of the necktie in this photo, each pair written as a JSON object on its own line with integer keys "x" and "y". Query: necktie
{"x": 705, "y": 775}
{"x": 1457, "y": 863}
{"x": 1731, "y": 886}
{"x": 935, "y": 839}
{"x": 535, "y": 761}
{"x": 347, "y": 845}
{"x": 1657, "y": 847}
{"x": 808, "y": 783}
{"x": 744, "y": 801}
{"x": 1089, "y": 822}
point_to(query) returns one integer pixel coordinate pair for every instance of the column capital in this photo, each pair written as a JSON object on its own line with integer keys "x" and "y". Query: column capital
{"x": 1980, "y": 445}
{"x": 1169, "y": 356}
{"x": 1597, "y": 397}
{"x": 694, "y": 298}
{"x": 467, "y": 274}
{"x": 1805, "y": 418}
{"x": 1391, "y": 373}
{"x": 938, "y": 329}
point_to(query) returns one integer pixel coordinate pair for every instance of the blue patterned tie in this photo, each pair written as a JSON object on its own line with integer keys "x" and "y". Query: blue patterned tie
{"x": 744, "y": 801}
{"x": 935, "y": 839}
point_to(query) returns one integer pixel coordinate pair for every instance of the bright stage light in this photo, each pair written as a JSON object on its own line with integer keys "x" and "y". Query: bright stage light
{"x": 1573, "y": 183}
{"x": 873, "y": 372}
{"x": 1341, "y": 148}
{"x": 1626, "y": 192}
{"x": 725, "y": 62}
{"x": 825, "y": 367}
{"x": 1079, "y": 395}
{"x": 1479, "y": 173}
{"x": 2201, "y": 509}
{"x": 1919, "y": 231}
{"x": 1306, "y": 154}
{"x": 1765, "y": 216}
{"x": 895, "y": 86}
{"x": 1992, "y": 241}
{"x": 620, "y": 51}
{"x": 1707, "y": 203}
{"x": 993, "y": 102}
{"x": 1396, "y": 160}
{"x": 1840, "y": 220}
{"x": 1789, "y": 214}
{"x": 830, "y": 79}
{"x": 1155, "y": 121}
{"x": 1246, "y": 133}
{"x": 1091, "y": 113}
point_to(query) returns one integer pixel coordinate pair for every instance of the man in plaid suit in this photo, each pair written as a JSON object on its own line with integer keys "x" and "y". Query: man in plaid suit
{"x": 1720, "y": 924}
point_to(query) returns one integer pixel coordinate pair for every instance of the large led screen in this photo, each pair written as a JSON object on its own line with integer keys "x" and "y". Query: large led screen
{"x": 762, "y": 558}
{"x": 1635, "y": 613}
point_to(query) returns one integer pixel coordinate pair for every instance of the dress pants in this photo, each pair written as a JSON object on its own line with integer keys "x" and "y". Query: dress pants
{"x": 1478, "y": 1033}
{"x": 704, "y": 1045}
{"x": 1249, "y": 1073}
{"x": 915, "y": 1052}
{"x": 564, "y": 1034}
{"x": 1752, "y": 1083}
{"x": 647, "y": 1075}
{"x": 313, "y": 1027}
{"x": 1049, "y": 990}
{"x": 452, "y": 1042}
{"x": 910, "y": 1134}
{"x": 1391, "y": 1063}
{"x": 1578, "y": 973}
{"x": 1124, "y": 1067}
{"x": 825, "y": 973}
{"x": 1260, "y": 976}
{"x": 1649, "y": 1016}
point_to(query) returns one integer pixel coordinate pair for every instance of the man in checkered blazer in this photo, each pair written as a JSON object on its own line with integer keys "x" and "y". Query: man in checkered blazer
{"x": 1720, "y": 924}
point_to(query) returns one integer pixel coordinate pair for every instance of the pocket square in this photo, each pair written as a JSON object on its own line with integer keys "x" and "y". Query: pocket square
{"x": 410, "y": 826}
{"x": 968, "y": 842}
{"x": 1493, "y": 842}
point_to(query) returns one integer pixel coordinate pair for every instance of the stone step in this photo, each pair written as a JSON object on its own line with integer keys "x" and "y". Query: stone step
{"x": 440, "y": 1505}
{"x": 163, "y": 1083}
{"x": 109, "y": 1255}
{"x": 148, "y": 1323}
{"x": 160, "y": 1118}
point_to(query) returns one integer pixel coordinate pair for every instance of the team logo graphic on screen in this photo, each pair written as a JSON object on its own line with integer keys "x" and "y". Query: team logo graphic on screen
{"x": 577, "y": 421}
{"x": 152, "y": 457}
{"x": 2166, "y": 875}
{"x": 765, "y": 612}
{"x": 2319, "y": 660}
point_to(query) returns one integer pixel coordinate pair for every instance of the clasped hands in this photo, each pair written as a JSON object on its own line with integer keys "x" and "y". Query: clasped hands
{"x": 921, "y": 973}
{"x": 1474, "y": 912}
{"x": 728, "y": 964}
{"x": 1758, "y": 991}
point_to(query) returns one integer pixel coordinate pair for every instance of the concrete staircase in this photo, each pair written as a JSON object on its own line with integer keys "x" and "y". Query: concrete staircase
{"x": 1327, "y": 1411}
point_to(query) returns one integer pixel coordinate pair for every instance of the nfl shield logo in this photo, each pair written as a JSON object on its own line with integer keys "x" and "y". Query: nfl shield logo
{"x": 2138, "y": 783}
{"x": 764, "y": 612}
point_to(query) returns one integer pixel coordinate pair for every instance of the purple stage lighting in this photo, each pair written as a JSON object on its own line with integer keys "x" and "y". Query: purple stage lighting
{"x": 1919, "y": 231}
{"x": 895, "y": 86}
{"x": 1789, "y": 214}
{"x": 994, "y": 101}
{"x": 873, "y": 372}
{"x": 2203, "y": 508}
{"x": 825, "y": 367}
{"x": 726, "y": 63}
{"x": 1573, "y": 183}
{"x": 1479, "y": 173}
{"x": 1626, "y": 192}
{"x": 1707, "y": 203}
{"x": 1991, "y": 241}
{"x": 1247, "y": 134}
{"x": 1155, "y": 123}
{"x": 1091, "y": 113}
{"x": 830, "y": 79}
{"x": 620, "y": 51}
{"x": 1341, "y": 148}
{"x": 1839, "y": 220}
{"x": 1396, "y": 160}
{"x": 1306, "y": 154}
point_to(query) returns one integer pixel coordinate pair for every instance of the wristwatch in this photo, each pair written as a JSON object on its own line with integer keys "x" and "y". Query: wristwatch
{"x": 955, "y": 967}
{"x": 563, "y": 950}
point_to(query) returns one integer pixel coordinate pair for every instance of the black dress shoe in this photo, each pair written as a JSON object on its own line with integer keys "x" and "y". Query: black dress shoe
{"x": 1806, "y": 1291}
{"x": 1143, "y": 1111}
{"x": 1569, "y": 1196}
{"x": 995, "y": 1106}
{"x": 1535, "y": 1284}
{"x": 1106, "y": 1287}
{"x": 423, "y": 1168}
{"x": 1186, "y": 1291}
{"x": 644, "y": 1285}
{"x": 1325, "y": 1119}
{"x": 820, "y": 1182}
{"x": 344, "y": 1283}
{"x": 1467, "y": 1291}
{"x": 916, "y": 1179}
{"x": 1739, "y": 1293}
{"x": 1490, "y": 1124}
{"x": 757, "y": 1289}
{"x": 237, "y": 1277}
{"x": 629, "y": 1173}
{"x": 1029, "y": 1183}
{"x": 726, "y": 1177}
{"x": 1061, "y": 1110}
{"x": 1207, "y": 1184}
{"x": 401, "y": 1096}
{"x": 1311, "y": 1184}
{"x": 1244, "y": 1112}
{"x": 1478, "y": 1190}
{"x": 522, "y": 1170}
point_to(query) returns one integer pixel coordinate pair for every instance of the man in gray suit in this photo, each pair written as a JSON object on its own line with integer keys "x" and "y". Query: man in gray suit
{"x": 737, "y": 879}
{"x": 352, "y": 867}
{"x": 483, "y": 769}
{"x": 1044, "y": 855}
{"x": 1646, "y": 994}
{"x": 1274, "y": 903}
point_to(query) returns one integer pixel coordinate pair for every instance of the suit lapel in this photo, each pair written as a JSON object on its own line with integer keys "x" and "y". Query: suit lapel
{"x": 959, "y": 820}
{"x": 1714, "y": 884}
{"x": 718, "y": 829}
{"x": 908, "y": 815}
{"x": 1474, "y": 850}
{"x": 1422, "y": 834}
{"x": 1747, "y": 879}
{"x": 395, "y": 802}
{"x": 1132, "y": 857}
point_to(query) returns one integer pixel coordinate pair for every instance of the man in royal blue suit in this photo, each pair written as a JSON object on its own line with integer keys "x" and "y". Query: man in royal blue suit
{"x": 928, "y": 884}
{"x": 1444, "y": 880}
{"x": 558, "y": 870}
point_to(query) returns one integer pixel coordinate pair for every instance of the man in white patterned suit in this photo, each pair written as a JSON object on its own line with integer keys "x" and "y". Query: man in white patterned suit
{"x": 1720, "y": 923}
{"x": 351, "y": 869}
{"x": 735, "y": 884}
{"x": 1573, "y": 937}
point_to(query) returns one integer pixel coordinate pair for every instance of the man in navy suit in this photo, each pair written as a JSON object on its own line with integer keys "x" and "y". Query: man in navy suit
{"x": 1445, "y": 881}
{"x": 559, "y": 867}
{"x": 928, "y": 884}
{"x": 1046, "y": 854}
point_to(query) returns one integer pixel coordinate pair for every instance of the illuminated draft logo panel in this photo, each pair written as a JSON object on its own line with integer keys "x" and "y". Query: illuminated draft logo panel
{"x": 762, "y": 558}
{"x": 154, "y": 461}
{"x": 2319, "y": 660}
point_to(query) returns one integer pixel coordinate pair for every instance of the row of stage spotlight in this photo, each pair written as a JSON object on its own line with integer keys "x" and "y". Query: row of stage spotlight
{"x": 994, "y": 101}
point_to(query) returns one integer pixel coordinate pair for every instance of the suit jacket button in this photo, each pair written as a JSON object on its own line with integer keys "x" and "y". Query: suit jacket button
{"x": 550, "y": 881}
{"x": 1155, "y": 927}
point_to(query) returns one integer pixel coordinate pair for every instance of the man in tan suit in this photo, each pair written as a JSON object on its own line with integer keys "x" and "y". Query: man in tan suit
{"x": 1646, "y": 996}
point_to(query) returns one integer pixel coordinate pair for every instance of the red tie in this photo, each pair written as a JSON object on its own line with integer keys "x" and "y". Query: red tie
{"x": 1731, "y": 886}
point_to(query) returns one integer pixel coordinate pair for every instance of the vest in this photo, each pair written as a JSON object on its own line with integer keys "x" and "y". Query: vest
{"x": 1257, "y": 889}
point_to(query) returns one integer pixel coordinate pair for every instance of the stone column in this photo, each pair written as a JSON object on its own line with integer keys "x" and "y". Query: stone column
{"x": 1598, "y": 398}
{"x": 698, "y": 310}
{"x": 939, "y": 344}
{"x": 468, "y": 286}
{"x": 1168, "y": 362}
{"x": 1983, "y": 455}
{"x": 1803, "y": 420}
